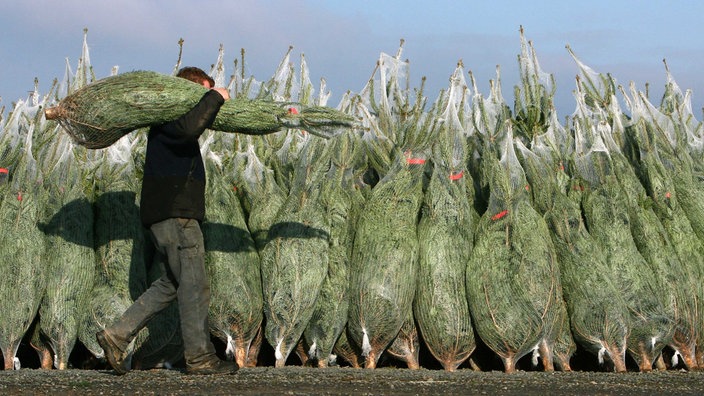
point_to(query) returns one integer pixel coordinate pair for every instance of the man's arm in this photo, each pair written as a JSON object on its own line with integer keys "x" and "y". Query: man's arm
{"x": 192, "y": 124}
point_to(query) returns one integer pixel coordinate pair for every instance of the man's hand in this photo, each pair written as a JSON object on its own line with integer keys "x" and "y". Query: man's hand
{"x": 223, "y": 92}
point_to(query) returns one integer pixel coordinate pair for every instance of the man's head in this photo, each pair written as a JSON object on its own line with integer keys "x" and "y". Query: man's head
{"x": 196, "y": 75}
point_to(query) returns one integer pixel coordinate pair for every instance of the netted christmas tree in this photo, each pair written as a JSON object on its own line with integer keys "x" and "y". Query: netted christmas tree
{"x": 295, "y": 258}
{"x": 654, "y": 151}
{"x": 513, "y": 284}
{"x": 385, "y": 251}
{"x": 446, "y": 235}
{"x": 102, "y": 112}
{"x": 22, "y": 243}
{"x": 69, "y": 258}
{"x": 343, "y": 203}
{"x": 605, "y": 206}
{"x": 232, "y": 260}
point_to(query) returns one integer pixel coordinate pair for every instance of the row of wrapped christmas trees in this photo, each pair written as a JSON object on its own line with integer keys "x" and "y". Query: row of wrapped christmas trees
{"x": 450, "y": 224}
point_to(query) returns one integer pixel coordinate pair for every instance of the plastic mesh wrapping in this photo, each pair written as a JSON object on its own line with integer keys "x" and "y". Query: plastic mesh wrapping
{"x": 674, "y": 194}
{"x": 445, "y": 235}
{"x": 263, "y": 195}
{"x": 101, "y": 113}
{"x": 384, "y": 258}
{"x": 343, "y": 202}
{"x": 513, "y": 284}
{"x": 295, "y": 258}
{"x": 606, "y": 210}
{"x": 21, "y": 243}
{"x": 598, "y": 315}
{"x": 69, "y": 259}
{"x": 233, "y": 265}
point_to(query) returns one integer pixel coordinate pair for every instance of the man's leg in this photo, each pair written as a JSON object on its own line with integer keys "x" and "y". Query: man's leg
{"x": 115, "y": 339}
{"x": 181, "y": 242}
{"x": 186, "y": 259}
{"x": 187, "y": 262}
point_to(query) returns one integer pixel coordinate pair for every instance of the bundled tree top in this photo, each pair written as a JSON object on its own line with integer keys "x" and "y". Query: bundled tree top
{"x": 102, "y": 112}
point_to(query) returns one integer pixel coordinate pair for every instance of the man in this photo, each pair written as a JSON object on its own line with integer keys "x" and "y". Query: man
{"x": 172, "y": 207}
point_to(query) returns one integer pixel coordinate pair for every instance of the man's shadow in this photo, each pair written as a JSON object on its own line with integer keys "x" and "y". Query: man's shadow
{"x": 231, "y": 239}
{"x": 226, "y": 238}
{"x": 69, "y": 223}
{"x": 116, "y": 209}
{"x": 122, "y": 209}
{"x": 291, "y": 229}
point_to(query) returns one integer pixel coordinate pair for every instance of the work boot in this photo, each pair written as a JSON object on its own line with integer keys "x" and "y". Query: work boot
{"x": 114, "y": 353}
{"x": 215, "y": 366}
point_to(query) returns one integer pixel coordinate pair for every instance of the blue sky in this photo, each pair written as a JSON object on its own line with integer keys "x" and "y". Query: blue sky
{"x": 342, "y": 39}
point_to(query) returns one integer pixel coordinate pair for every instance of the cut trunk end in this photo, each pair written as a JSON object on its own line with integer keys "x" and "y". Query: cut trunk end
{"x": 685, "y": 352}
{"x": 302, "y": 353}
{"x": 546, "y": 356}
{"x": 46, "y": 360}
{"x": 509, "y": 364}
{"x": 240, "y": 356}
{"x": 52, "y": 113}
{"x": 645, "y": 363}
{"x": 563, "y": 363}
{"x": 699, "y": 357}
{"x": 9, "y": 361}
{"x": 254, "y": 347}
{"x": 617, "y": 356}
{"x": 370, "y": 360}
{"x": 619, "y": 362}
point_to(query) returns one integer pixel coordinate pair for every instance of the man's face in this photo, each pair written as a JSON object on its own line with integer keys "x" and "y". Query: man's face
{"x": 206, "y": 84}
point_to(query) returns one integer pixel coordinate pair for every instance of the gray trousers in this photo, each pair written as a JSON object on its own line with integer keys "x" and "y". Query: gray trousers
{"x": 180, "y": 243}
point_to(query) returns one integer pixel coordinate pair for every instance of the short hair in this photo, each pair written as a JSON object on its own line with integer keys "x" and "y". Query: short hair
{"x": 195, "y": 74}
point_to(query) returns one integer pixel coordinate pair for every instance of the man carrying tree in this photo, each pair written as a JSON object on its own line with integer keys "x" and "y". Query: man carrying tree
{"x": 172, "y": 207}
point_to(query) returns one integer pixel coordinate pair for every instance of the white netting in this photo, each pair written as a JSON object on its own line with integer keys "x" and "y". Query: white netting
{"x": 592, "y": 163}
{"x": 283, "y": 85}
{"x": 598, "y": 89}
{"x": 324, "y": 94}
{"x": 84, "y": 71}
{"x": 490, "y": 113}
{"x": 208, "y": 152}
{"x": 255, "y": 169}
{"x": 681, "y": 101}
{"x": 456, "y": 105}
{"x": 217, "y": 72}
{"x": 64, "y": 85}
{"x": 509, "y": 161}
{"x": 641, "y": 109}
{"x": 387, "y": 89}
{"x": 590, "y": 76}
{"x": 71, "y": 82}
{"x": 305, "y": 93}
{"x": 30, "y": 174}
{"x": 459, "y": 94}
{"x": 11, "y": 137}
{"x": 529, "y": 66}
{"x": 555, "y": 141}
{"x": 591, "y": 152}
{"x": 678, "y": 106}
{"x": 394, "y": 77}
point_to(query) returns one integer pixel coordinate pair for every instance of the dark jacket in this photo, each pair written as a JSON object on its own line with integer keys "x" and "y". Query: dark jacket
{"x": 174, "y": 175}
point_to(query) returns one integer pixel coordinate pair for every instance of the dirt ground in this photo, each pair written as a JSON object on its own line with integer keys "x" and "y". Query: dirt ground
{"x": 90, "y": 376}
{"x": 299, "y": 380}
